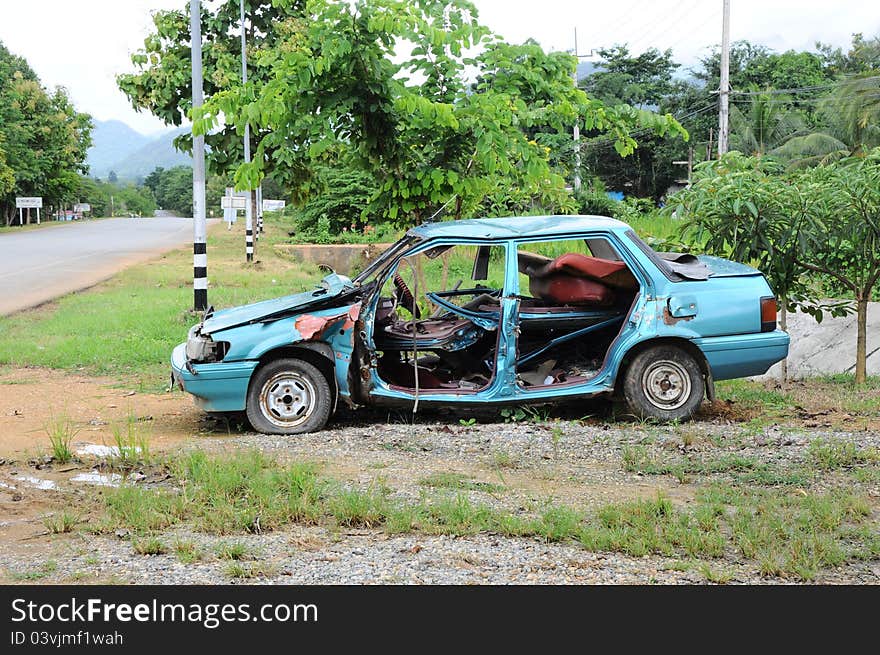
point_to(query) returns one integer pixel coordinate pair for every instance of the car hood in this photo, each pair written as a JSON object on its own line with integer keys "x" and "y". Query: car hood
{"x": 332, "y": 286}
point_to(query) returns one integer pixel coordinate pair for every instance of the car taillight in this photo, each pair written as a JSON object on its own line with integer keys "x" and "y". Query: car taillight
{"x": 768, "y": 314}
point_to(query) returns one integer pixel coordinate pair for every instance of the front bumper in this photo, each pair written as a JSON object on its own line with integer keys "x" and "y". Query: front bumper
{"x": 215, "y": 386}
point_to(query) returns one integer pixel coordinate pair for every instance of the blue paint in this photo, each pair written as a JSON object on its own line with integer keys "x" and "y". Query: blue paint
{"x": 720, "y": 316}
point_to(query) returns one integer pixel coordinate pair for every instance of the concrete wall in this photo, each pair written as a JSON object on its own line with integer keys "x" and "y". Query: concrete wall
{"x": 345, "y": 259}
{"x": 829, "y": 346}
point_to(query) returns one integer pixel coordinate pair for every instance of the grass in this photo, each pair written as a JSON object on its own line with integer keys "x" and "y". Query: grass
{"x": 61, "y": 522}
{"x": 149, "y": 546}
{"x": 786, "y": 533}
{"x": 61, "y": 431}
{"x": 234, "y": 551}
{"x": 132, "y": 444}
{"x": 44, "y": 570}
{"x": 830, "y": 454}
{"x": 460, "y": 482}
{"x": 187, "y": 552}
{"x": 144, "y": 311}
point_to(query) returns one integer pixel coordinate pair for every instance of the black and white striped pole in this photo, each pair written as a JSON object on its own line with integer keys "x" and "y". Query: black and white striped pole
{"x": 249, "y": 212}
{"x": 200, "y": 232}
{"x": 259, "y": 211}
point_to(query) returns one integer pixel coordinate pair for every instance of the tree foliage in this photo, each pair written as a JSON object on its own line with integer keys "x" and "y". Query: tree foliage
{"x": 803, "y": 228}
{"x": 43, "y": 139}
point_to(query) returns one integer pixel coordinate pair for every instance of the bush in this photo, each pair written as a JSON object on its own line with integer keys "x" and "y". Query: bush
{"x": 595, "y": 201}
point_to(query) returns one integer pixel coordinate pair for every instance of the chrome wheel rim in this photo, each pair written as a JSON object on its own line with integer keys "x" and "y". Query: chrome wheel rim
{"x": 666, "y": 385}
{"x": 287, "y": 399}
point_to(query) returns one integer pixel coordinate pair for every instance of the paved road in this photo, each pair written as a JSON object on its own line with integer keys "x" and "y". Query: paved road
{"x": 39, "y": 265}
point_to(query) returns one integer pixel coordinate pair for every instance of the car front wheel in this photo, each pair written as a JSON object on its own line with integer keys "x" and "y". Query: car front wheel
{"x": 289, "y": 396}
{"x": 665, "y": 383}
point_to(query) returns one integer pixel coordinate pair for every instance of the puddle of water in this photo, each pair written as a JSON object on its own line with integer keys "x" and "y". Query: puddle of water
{"x": 39, "y": 483}
{"x": 100, "y": 450}
{"x": 99, "y": 479}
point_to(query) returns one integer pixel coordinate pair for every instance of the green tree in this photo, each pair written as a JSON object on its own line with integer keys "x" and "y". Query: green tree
{"x": 765, "y": 123}
{"x": 42, "y": 135}
{"x": 427, "y": 142}
{"x": 161, "y": 83}
{"x": 852, "y": 125}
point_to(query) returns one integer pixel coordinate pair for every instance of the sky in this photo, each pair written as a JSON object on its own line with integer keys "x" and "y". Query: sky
{"x": 83, "y": 44}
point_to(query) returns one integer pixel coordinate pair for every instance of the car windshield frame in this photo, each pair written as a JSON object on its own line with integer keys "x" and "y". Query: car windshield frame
{"x": 381, "y": 262}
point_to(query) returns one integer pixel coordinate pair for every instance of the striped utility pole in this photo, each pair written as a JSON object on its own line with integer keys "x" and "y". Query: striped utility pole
{"x": 259, "y": 211}
{"x": 249, "y": 210}
{"x": 200, "y": 246}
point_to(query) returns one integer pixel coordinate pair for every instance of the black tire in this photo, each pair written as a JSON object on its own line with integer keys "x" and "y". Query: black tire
{"x": 288, "y": 396}
{"x": 664, "y": 382}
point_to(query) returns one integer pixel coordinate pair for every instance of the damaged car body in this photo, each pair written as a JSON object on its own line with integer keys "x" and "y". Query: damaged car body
{"x": 523, "y": 310}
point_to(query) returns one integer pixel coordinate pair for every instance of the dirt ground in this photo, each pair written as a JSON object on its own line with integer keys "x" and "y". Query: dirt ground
{"x": 572, "y": 460}
{"x": 32, "y": 398}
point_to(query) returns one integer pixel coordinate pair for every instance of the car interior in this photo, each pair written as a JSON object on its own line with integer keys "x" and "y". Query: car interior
{"x": 574, "y": 296}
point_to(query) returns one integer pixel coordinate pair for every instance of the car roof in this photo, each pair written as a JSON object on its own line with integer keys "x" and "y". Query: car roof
{"x": 516, "y": 226}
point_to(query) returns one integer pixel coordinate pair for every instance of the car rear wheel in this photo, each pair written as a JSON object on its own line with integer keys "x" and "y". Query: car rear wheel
{"x": 289, "y": 396}
{"x": 665, "y": 383}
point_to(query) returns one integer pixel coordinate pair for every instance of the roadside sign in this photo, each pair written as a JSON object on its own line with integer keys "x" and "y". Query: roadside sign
{"x": 273, "y": 205}
{"x": 24, "y": 202}
{"x": 233, "y": 202}
{"x": 82, "y": 207}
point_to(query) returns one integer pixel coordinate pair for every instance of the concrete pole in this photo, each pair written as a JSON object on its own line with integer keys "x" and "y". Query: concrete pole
{"x": 249, "y": 209}
{"x": 200, "y": 231}
{"x": 577, "y": 128}
{"x": 724, "y": 88}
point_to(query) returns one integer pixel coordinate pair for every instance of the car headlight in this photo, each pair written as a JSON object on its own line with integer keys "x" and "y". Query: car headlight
{"x": 202, "y": 348}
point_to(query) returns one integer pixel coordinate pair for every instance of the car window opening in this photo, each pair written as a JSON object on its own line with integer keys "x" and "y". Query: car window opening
{"x": 574, "y": 299}
{"x": 436, "y": 325}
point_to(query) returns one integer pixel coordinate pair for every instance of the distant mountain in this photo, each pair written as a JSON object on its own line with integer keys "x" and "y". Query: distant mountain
{"x": 130, "y": 154}
{"x": 112, "y": 142}
{"x": 158, "y": 152}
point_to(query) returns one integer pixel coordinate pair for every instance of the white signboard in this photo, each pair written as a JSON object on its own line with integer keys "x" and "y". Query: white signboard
{"x": 25, "y": 203}
{"x": 233, "y": 202}
{"x": 273, "y": 205}
{"x": 82, "y": 207}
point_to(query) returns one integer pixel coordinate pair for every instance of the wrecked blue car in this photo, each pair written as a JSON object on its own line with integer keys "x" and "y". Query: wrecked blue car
{"x": 503, "y": 311}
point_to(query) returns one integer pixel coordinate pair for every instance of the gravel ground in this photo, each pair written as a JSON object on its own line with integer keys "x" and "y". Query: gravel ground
{"x": 573, "y": 462}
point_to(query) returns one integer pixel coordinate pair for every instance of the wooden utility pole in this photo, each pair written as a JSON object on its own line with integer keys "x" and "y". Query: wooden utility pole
{"x": 724, "y": 87}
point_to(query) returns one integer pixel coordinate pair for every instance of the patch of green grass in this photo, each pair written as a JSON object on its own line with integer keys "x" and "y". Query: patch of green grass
{"x": 752, "y": 394}
{"x": 355, "y": 508}
{"x": 642, "y": 527}
{"x": 45, "y": 569}
{"x": 132, "y": 444}
{"x": 786, "y": 533}
{"x": 501, "y": 459}
{"x": 143, "y": 312}
{"x": 61, "y": 522}
{"x": 242, "y": 571}
{"x": 187, "y": 552}
{"x": 233, "y": 550}
{"x": 637, "y": 459}
{"x": 459, "y": 482}
{"x": 149, "y": 546}
{"x": 830, "y": 454}
{"x": 61, "y": 431}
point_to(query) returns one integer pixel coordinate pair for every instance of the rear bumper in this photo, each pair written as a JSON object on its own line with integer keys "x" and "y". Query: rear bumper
{"x": 216, "y": 387}
{"x": 743, "y": 355}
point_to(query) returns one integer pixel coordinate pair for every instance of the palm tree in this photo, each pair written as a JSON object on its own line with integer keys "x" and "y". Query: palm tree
{"x": 767, "y": 123}
{"x": 852, "y": 116}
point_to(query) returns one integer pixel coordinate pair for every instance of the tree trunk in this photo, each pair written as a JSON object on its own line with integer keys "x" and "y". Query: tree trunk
{"x": 861, "y": 340}
{"x": 783, "y": 325}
